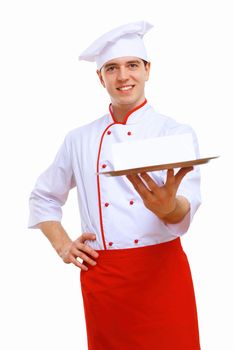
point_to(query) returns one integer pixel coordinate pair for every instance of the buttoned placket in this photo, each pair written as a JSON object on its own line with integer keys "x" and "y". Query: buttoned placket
{"x": 105, "y": 205}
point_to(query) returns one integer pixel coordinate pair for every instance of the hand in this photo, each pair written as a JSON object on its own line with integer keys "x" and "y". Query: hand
{"x": 77, "y": 249}
{"x": 162, "y": 200}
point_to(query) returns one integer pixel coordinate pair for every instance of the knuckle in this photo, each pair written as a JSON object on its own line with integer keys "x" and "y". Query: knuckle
{"x": 81, "y": 255}
{"x": 75, "y": 262}
{"x": 83, "y": 237}
{"x": 77, "y": 241}
{"x": 81, "y": 245}
{"x": 86, "y": 248}
{"x": 66, "y": 261}
{"x": 92, "y": 262}
{"x": 89, "y": 250}
{"x": 82, "y": 267}
{"x": 79, "y": 265}
{"x": 94, "y": 253}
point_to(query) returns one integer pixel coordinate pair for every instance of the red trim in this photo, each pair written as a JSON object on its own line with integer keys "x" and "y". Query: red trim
{"x": 128, "y": 114}
{"x": 98, "y": 186}
{"x": 97, "y": 166}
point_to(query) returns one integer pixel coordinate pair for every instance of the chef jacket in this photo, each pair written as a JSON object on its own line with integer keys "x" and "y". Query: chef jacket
{"x": 110, "y": 207}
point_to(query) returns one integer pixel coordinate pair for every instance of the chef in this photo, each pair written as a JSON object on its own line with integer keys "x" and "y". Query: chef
{"x": 135, "y": 277}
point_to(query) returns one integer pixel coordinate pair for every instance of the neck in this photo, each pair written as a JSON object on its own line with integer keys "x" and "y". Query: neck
{"x": 120, "y": 111}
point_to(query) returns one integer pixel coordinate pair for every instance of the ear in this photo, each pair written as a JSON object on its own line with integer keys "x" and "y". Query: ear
{"x": 100, "y": 77}
{"x": 147, "y": 68}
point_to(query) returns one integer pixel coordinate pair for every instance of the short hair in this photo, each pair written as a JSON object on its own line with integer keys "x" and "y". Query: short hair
{"x": 145, "y": 62}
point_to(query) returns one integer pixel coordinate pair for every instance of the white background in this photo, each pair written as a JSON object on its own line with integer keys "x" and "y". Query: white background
{"x": 46, "y": 91}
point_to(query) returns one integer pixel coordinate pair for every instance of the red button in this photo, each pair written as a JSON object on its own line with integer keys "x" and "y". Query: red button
{"x": 109, "y": 132}
{"x": 110, "y": 243}
{"x": 129, "y": 133}
{"x": 106, "y": 204}
{"x": 104, "y": 165}
{"x": 131, "y": 202}
{"x": 136, "y": 241}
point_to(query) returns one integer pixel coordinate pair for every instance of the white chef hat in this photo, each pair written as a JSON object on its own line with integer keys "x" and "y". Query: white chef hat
{"x": 126, "y": 40}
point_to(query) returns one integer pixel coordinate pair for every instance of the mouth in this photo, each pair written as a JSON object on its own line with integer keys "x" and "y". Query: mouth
{"x": 125, "y": 88}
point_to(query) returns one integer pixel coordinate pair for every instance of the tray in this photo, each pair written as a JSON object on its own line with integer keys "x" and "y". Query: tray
{"x": 157, "y": 167}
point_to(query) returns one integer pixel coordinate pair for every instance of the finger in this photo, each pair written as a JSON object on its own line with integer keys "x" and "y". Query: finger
{"x": 170, "y": 177}
{"x": 139, "y": 186}
{"x": 86, "y": 249}
{"x": 181, "y": 173}
{"x": 150, "y": 182}
{"x": 133, "y": 179}
{"x": 78, "y": 264}
{"x": 79, "y": 254}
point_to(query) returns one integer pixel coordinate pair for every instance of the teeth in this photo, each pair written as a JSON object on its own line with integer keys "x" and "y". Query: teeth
{"x": 125, "y": 88}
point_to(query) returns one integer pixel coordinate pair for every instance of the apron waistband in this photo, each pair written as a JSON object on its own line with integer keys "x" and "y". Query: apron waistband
{"x": 111, "y": 254}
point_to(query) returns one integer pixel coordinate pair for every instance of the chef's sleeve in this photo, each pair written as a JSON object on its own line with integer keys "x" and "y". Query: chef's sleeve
{"x": 190, "y": 189}
{"x": 52, "y": 188}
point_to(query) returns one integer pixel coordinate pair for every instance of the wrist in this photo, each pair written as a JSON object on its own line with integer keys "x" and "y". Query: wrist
{"x": 165, "y": 216}
{"x": 181, "y": 208}
{"x": 64, "y": 248}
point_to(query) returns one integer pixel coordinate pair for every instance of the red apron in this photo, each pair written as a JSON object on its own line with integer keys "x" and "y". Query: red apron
{"x": 140, "y": 299}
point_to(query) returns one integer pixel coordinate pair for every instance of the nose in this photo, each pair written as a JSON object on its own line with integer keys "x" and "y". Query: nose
{"x": 122, "y": 74}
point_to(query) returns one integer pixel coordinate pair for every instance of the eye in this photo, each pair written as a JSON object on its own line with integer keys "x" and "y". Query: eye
{"x": 133, "y": 65}
{"x": 111, "y": 69}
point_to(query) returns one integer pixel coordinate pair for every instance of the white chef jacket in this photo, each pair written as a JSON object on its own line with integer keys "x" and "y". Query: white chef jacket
{"x": 110, "y": 207}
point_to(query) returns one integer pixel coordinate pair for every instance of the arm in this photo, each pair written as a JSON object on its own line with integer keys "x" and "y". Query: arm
{"x": 46, "y": 200}
{"x": 67, "y": 249}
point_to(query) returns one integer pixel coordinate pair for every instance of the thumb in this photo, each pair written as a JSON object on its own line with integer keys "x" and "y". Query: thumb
{"x": 87, "y": 235}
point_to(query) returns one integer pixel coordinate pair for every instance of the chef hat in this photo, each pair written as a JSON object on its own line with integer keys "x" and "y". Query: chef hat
{"x": 122, "y": 41}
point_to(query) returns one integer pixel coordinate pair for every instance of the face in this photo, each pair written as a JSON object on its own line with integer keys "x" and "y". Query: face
{"x": 124, "y": 78}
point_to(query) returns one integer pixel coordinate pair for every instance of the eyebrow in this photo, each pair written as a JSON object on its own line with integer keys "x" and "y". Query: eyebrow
{"x": 116, "y": 64}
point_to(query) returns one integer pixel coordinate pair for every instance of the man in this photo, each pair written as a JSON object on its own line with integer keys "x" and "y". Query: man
{"x": 135, "y": 278}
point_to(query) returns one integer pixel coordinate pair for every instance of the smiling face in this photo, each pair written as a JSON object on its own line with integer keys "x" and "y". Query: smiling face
{"x": 124, "y": 78}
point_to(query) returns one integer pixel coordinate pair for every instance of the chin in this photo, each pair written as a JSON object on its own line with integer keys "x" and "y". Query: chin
{"x": 128, "y": 100}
